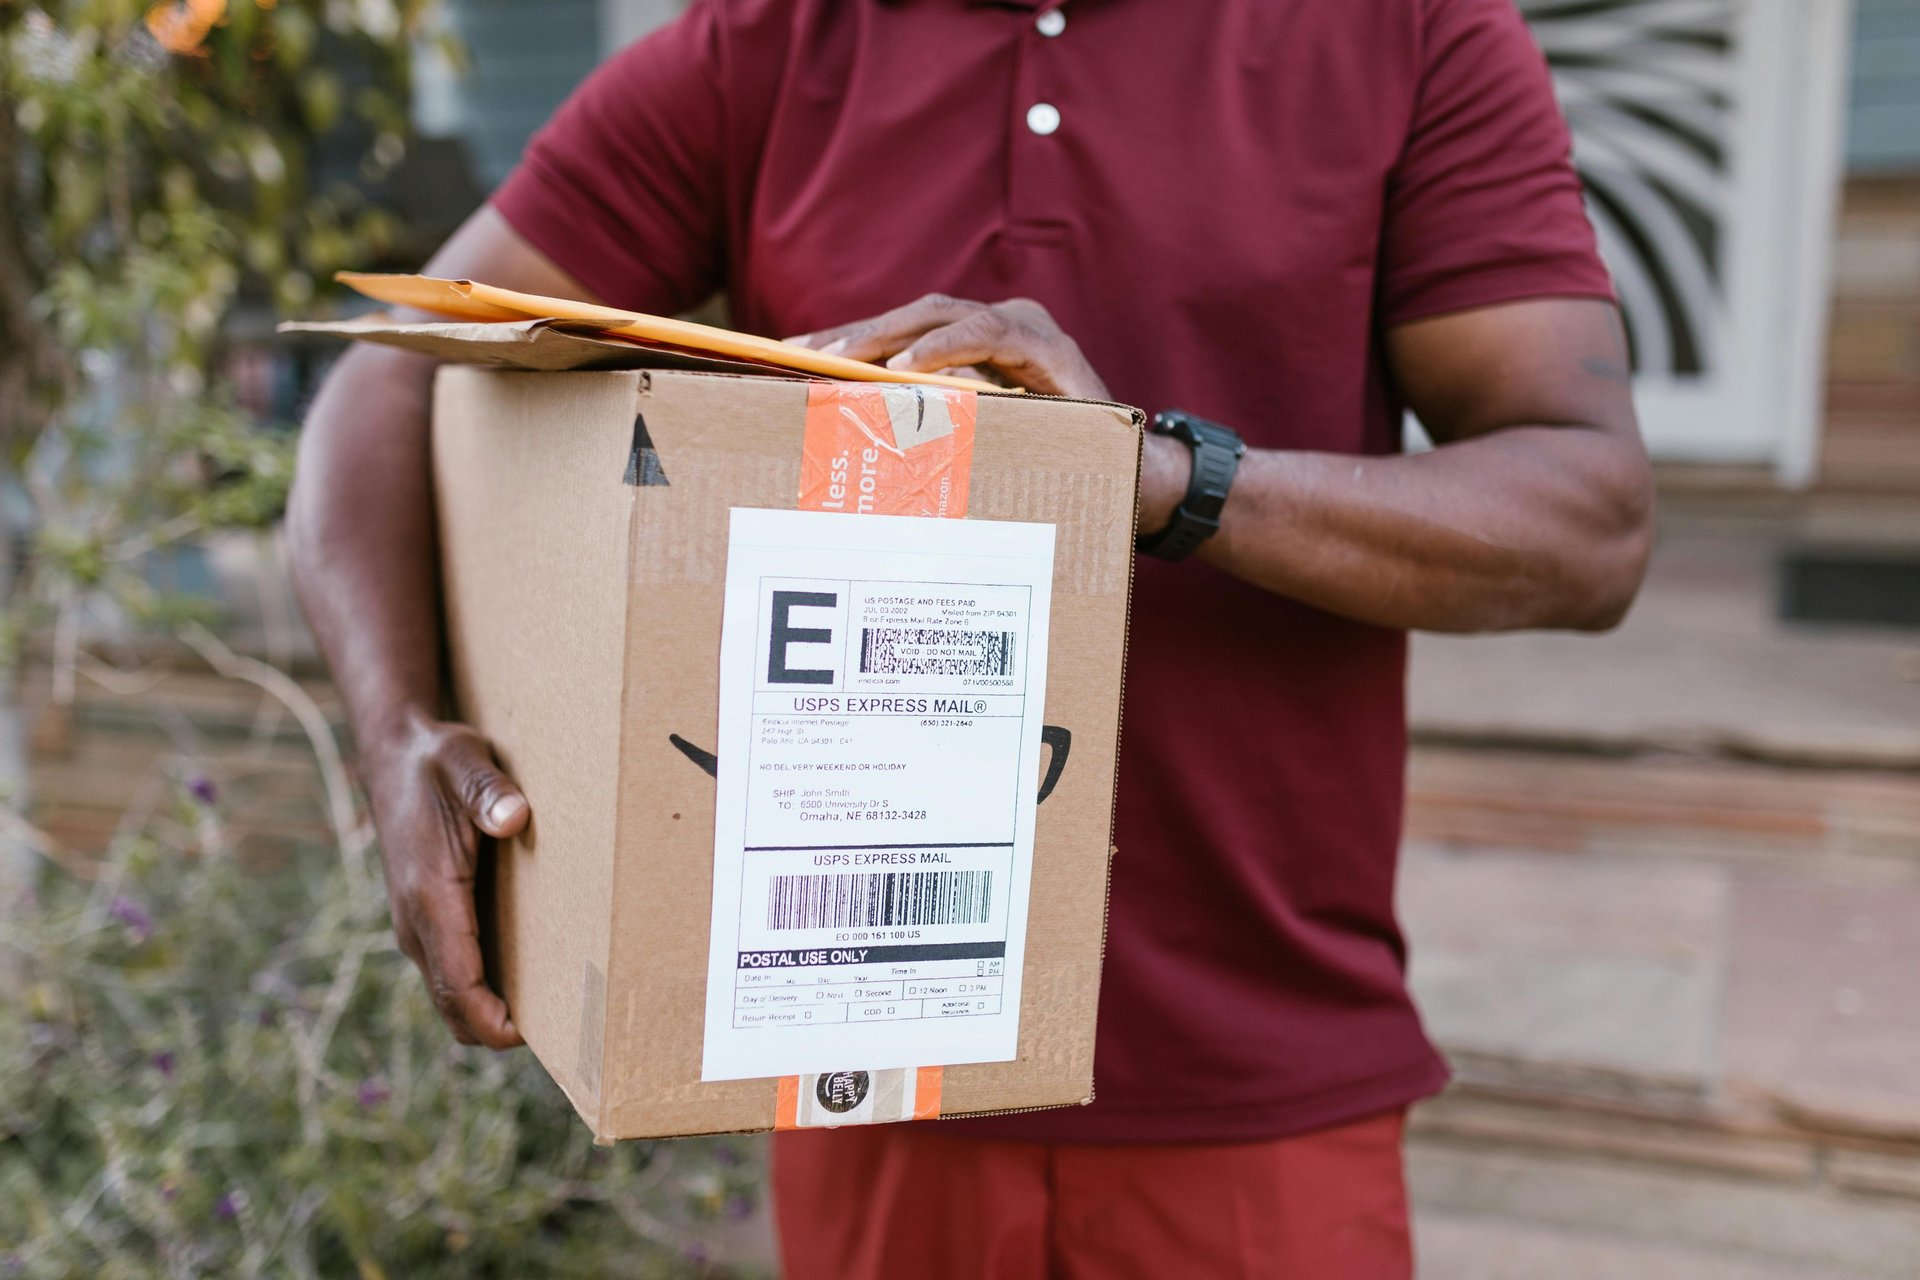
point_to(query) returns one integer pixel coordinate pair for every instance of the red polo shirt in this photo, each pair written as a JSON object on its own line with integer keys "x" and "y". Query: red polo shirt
{"x": 1225, "y": 204}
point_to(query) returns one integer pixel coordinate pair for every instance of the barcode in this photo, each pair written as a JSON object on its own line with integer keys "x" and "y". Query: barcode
{"x": 885, "y": 898}
{"x": 935, "y": 651}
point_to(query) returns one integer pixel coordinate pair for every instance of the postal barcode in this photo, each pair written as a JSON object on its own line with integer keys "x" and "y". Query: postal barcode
{"x": 935, "y": 651}
{"x": 884, "y": 898}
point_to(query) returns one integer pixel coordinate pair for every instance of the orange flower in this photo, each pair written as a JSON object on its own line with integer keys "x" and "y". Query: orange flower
{"x": 181, "y": 25}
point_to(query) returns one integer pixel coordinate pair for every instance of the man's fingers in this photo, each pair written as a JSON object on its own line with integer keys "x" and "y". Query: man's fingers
{"x": 485, "y": 795}
{"x": 1016, "y": 338}
{"x": 981, "y": 338}
{"x": 449, "y": 941}
{"x": 883, "y": 335}
{"x": 1027, "y": 356}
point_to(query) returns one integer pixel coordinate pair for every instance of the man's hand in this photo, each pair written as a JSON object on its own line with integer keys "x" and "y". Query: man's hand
{"x": 1015, "y": 341}
{"x": 436, "y": 793}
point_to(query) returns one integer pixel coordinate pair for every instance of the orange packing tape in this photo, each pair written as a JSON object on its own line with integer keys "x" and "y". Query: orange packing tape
{"x": 926, "y": 1094}
{"x": 471, "y": 300}
{"x": 887, "y": 450}
{"x": 830, "y": 1099}
{"x": 786, "y": 1105}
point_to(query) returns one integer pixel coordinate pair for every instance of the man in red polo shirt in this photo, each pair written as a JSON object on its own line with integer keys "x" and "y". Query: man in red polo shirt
{"x": 1295, "y": 218}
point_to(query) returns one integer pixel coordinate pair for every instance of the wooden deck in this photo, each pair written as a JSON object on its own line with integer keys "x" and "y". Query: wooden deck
{"x": 1871, "y": 441}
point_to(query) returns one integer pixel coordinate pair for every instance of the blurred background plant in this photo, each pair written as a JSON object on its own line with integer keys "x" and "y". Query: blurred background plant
{"x": 213, "y": 1068}
{"x": 213, "y": 1061}
{"x": 159, "y": 164}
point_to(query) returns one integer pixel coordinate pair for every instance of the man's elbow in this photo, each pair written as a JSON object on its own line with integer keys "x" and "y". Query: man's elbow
{"x": 303, "y": 529}
{"x": 1613, "y": 561}
{"x": 366, "y": 431}
{"x": 296, "y": 535}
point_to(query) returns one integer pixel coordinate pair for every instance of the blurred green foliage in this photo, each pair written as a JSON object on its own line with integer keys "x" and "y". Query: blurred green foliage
{"x": 160, "y": 162}
{"x": 211, "y": 1069}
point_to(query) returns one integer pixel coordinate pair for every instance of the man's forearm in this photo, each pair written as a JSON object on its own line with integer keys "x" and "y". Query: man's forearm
{"x": 360, "y": 529}
{"x": 1521, "y": 527}
{"x": 1506, "y": 526}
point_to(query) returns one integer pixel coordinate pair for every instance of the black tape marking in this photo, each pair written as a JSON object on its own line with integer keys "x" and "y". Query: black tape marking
{"x": 643, "y": 460}
{"x": 1061, "y": 742}
{"x": 708, "y": 762}
{"x": 1058, "y": 740}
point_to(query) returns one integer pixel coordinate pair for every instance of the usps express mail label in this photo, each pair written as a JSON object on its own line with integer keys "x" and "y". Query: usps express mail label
{"x": 882, "y": 684}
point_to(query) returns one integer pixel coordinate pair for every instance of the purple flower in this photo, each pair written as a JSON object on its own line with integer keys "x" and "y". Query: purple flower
{"x": 739, "y": 1208}
{"x": 696, "y": 1253}
{"x": 135, "y": 917}
{"x": 726, "y": 1157}
{"x": 168, "y": 1191}
{"x": 13, "y": 1264}
{"x": 163, "y": 1063}
{"x": 202, "y": 788}
{"x": 372, "y": 1093}
{"x": 228, "y": 1206}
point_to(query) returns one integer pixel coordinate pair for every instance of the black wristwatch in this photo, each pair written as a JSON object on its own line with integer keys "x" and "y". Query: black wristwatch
{"x": 1216, "y": 456}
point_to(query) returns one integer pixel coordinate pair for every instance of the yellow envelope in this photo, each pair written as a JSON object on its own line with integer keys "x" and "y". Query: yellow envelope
{"x": 471, "y": 300}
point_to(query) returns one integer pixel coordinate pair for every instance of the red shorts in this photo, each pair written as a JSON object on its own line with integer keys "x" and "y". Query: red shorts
{"x": 892, "y": 1201}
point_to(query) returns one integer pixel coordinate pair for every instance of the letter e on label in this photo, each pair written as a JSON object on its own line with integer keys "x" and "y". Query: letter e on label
{"x": 785, "y": 633}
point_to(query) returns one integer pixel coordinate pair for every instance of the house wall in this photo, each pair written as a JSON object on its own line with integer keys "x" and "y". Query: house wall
{"x": 1884, "y": 128}
{"x": 523, "y": 57}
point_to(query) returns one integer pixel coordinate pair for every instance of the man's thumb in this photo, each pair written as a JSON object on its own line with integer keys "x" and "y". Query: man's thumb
{"x": 506, "y": 813}
{"x": 492, "y": 801}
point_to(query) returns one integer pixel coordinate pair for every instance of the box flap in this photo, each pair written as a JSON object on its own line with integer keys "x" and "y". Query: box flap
{"x": 472, "y": 300}
{"x": 546, "y": 345}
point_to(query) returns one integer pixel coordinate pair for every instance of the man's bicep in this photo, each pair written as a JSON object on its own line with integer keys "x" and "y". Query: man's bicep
{"x": 1542, "y": 362}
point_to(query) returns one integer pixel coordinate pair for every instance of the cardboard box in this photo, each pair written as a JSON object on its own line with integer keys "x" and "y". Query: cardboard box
{"x": 584, "y": 526}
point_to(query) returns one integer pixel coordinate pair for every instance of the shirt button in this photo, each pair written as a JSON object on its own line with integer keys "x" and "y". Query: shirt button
{"x": 1050, "y": 23}
{"x": 1043, "y": 118}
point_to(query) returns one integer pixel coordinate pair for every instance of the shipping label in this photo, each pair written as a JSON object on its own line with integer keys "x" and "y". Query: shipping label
{"x": 882, "y": 681}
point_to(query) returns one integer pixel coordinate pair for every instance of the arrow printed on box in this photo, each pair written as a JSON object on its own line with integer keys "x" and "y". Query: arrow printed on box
{"x": 1058, "y": 740}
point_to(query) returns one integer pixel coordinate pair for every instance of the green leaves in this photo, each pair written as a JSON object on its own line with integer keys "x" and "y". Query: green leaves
{"x": 163, "y": 170}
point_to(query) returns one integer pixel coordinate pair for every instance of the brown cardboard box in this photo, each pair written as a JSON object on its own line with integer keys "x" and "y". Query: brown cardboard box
{"x": 584, "y": 524}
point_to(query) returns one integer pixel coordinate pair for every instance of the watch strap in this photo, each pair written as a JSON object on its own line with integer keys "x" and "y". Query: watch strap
{"x": 1216, "y": 457}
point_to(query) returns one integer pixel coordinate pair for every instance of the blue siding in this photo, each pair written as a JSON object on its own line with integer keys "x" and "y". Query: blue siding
{"x": 1883, "y": 132}
{"x": 526, "y": 56}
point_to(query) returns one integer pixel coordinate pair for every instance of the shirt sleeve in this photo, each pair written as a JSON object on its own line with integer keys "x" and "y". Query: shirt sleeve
{"x": 624, "y": 188}
{"x": 1484, "y": 205}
